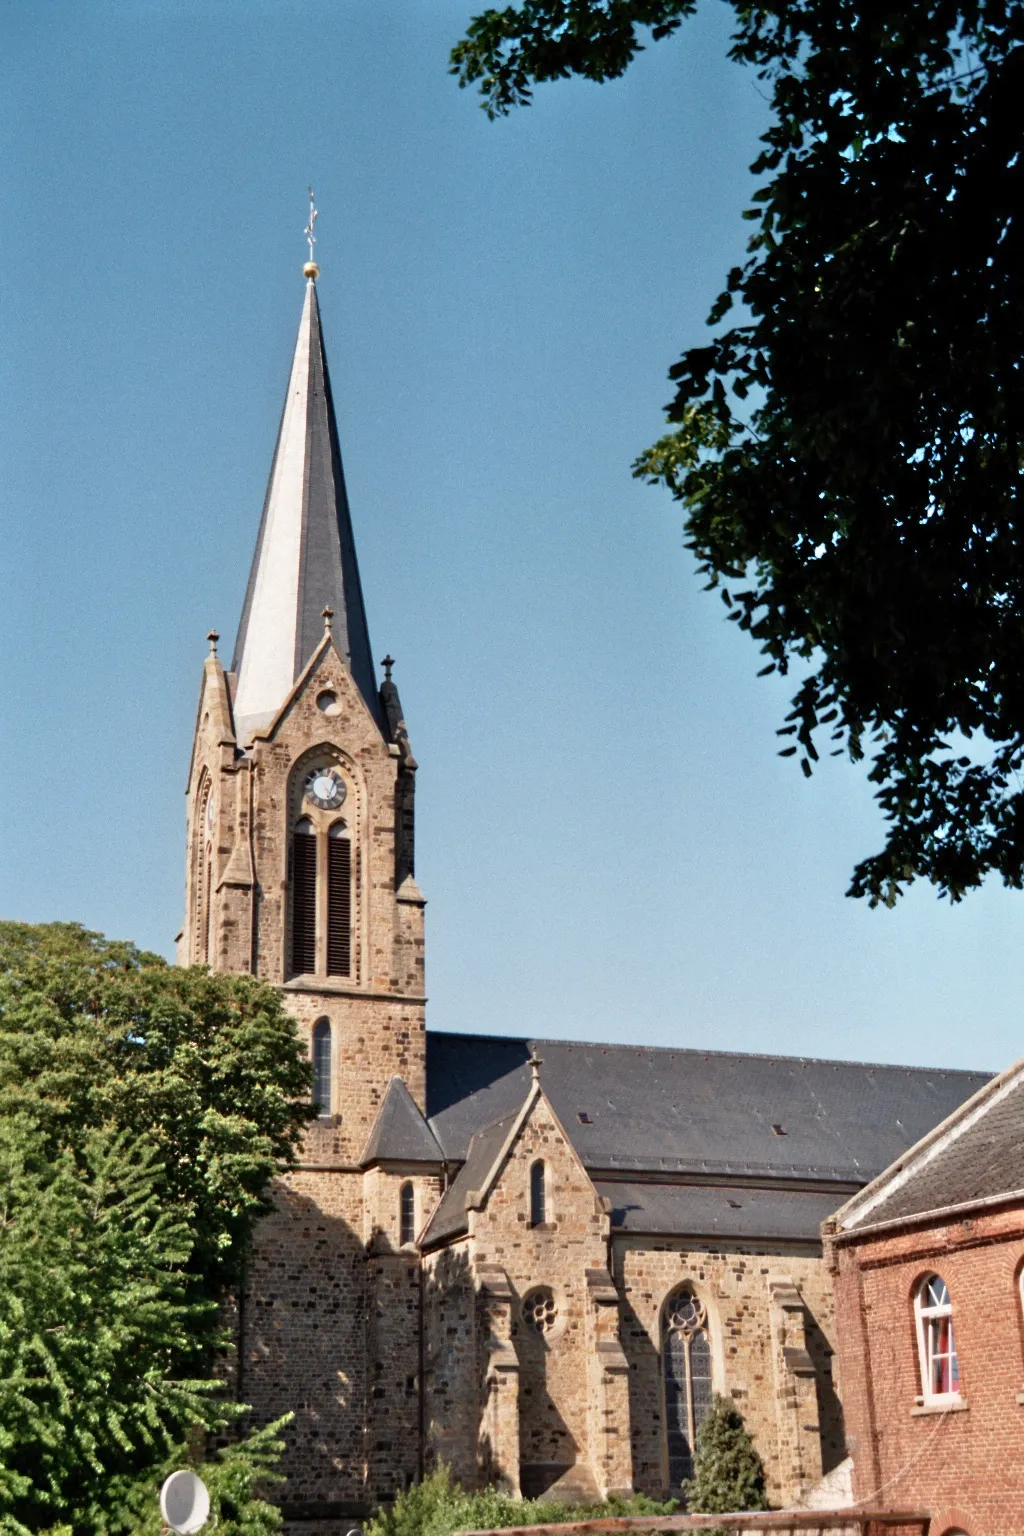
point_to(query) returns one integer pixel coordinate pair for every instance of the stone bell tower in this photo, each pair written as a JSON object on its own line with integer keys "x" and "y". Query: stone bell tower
{"x": 301, "y": 789}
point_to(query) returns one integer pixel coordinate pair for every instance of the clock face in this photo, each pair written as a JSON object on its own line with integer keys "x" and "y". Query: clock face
{"x": 326, "y": 788}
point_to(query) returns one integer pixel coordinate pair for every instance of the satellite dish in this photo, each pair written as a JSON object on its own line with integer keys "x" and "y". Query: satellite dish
{"x": 185, "y": 1502}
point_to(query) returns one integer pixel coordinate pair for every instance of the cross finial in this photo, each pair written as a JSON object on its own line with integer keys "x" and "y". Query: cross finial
{"x": 327, "y": 616}
{"x": 387, "y": 662}
{"x": 311, "y": 269}
{"x": 213, "y": 637}
{"x": 535, "y": 1063}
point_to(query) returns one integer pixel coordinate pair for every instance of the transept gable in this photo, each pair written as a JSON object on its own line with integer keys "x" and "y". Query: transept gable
{"x": 494, "y": 1183}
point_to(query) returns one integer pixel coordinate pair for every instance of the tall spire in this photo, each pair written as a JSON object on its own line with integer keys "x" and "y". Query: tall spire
{"x": 305, "y": 558}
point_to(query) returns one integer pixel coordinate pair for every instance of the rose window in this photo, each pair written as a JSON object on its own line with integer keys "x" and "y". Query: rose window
{"x": 540, "y": 1310}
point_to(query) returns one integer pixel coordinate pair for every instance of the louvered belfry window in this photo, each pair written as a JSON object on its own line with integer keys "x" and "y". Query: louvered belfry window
{"x": 303, "y": 899}
{"x": 339, "y": 901}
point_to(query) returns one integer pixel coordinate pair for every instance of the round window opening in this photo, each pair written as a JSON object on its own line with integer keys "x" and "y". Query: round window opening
{"x": 327, "y": 702}
{"x": 540, "y": 1309}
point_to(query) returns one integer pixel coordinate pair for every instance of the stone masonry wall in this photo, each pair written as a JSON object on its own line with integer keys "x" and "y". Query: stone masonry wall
{"x": 963, "y": 1466}
{"x": 747, "y": 1340}
{"x": 303, "y": 1333}
{"x": 554, "y": 1397}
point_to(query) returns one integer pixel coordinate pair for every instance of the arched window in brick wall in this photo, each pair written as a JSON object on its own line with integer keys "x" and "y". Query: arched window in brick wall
{"x": 407, "y": 1215}
{"x": 322, "y": 1067}
{"x": 936, "y": 1344}
{"x": 686, "y": 1372}
{"x": 538, "y": 1194}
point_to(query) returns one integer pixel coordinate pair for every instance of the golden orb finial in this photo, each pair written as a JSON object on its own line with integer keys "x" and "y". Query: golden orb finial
{"x": 311, "y": 270}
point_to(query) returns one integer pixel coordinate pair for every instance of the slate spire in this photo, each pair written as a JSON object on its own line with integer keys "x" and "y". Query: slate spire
{"x": 305, "y": 558}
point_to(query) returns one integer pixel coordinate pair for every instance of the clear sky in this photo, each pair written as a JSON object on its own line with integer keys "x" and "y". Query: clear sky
{"x": 610, "y": 847}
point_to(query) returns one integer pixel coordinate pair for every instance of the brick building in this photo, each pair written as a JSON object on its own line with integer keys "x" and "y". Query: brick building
{"x": 535, "y": 1260}
{"x": 928, "y": 1263}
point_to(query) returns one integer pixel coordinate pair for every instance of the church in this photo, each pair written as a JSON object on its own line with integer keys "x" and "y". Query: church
{"x": 534, "y": 1260}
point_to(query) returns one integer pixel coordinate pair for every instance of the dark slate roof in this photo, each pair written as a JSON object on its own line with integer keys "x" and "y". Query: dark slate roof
{"x": 400, "y": 1133}
{"x": 450, "y": 1217}
{"x": 981, "y": 1159}
{"x": 728, "y": 1211}
{"x": 328, "y": 569}
{"x": 654, "y": 1109}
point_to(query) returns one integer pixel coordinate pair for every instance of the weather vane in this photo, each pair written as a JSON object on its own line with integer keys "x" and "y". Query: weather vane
{"x": 311, "y": 269}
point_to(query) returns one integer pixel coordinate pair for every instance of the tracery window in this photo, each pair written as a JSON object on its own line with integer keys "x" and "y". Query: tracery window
{"x": 686, "y": 1370}
{"x": 322, "y": 1066}
{"x": 538, "y": 1194}
{"x": 407, "y": 1215}
{"x": 936, "y": 1345}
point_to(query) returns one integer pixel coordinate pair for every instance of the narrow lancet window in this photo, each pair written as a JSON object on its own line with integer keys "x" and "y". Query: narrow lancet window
{"x": 538, "y": 1195}
{"x": 407, "y": 1215}
{"x": 322, "y": 1067}
{"x": 303, "y": 898}
{"x": 686, "y": 1367}
{"x": 339, "y": 901}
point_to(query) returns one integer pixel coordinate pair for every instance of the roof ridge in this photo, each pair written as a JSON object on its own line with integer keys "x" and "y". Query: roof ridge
{"x": 696, "y": 1050}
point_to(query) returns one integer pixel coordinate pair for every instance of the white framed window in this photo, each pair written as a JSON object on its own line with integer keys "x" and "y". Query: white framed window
{"x": 936, "y": 1342}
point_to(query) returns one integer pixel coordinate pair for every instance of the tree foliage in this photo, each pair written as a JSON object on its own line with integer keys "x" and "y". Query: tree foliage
{"x": 727, "y": 1471}
{"x": 95, "y": 1033}
{"x": 142, "y": 1111}
{"x": 847, "y": 447}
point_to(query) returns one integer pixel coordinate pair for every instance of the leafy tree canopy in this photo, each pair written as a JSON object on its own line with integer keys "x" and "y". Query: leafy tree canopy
{"x": 142, "y": 1112}
{"x": 847, "y": 447}
{"x": 96, "y": 1033}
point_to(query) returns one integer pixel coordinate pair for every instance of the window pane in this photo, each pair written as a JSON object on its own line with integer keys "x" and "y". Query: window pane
{"x": 322, "y": 1066}
{"x": 407, "y": 1221}
{"x": 538, "y": 1201}
{"x": 677, "y": 1416}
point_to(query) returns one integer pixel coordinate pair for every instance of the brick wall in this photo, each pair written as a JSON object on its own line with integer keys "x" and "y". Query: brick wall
{"x": 967, "y": 1466}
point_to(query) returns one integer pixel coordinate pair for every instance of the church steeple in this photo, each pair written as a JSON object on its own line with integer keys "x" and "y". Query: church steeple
{"x": 305, "y": 558}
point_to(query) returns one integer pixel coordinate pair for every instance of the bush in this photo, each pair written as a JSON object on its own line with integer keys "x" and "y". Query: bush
{"x": 439, "y": 1506}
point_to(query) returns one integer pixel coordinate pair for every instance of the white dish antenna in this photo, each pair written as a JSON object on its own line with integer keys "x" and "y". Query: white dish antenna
{"x": 185, "y": 1503}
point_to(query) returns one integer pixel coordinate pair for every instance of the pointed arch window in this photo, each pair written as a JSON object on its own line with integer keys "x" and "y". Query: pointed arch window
{"x": 936, "y": 1343}
{"x": 686, "y": 1372}
{"x": 538, "y": 1194}
{"x": 339, "y": 901}
{"x": 304, "y": 862}
{"x": 407, "y": 1215}
{"x": 322, "y": 1067}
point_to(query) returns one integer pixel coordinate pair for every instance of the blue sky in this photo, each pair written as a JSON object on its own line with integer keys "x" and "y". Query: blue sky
{"x": 610, "y": 846}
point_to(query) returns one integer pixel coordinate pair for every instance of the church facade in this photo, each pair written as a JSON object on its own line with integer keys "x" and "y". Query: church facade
{"x": 534, "y": 1260}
